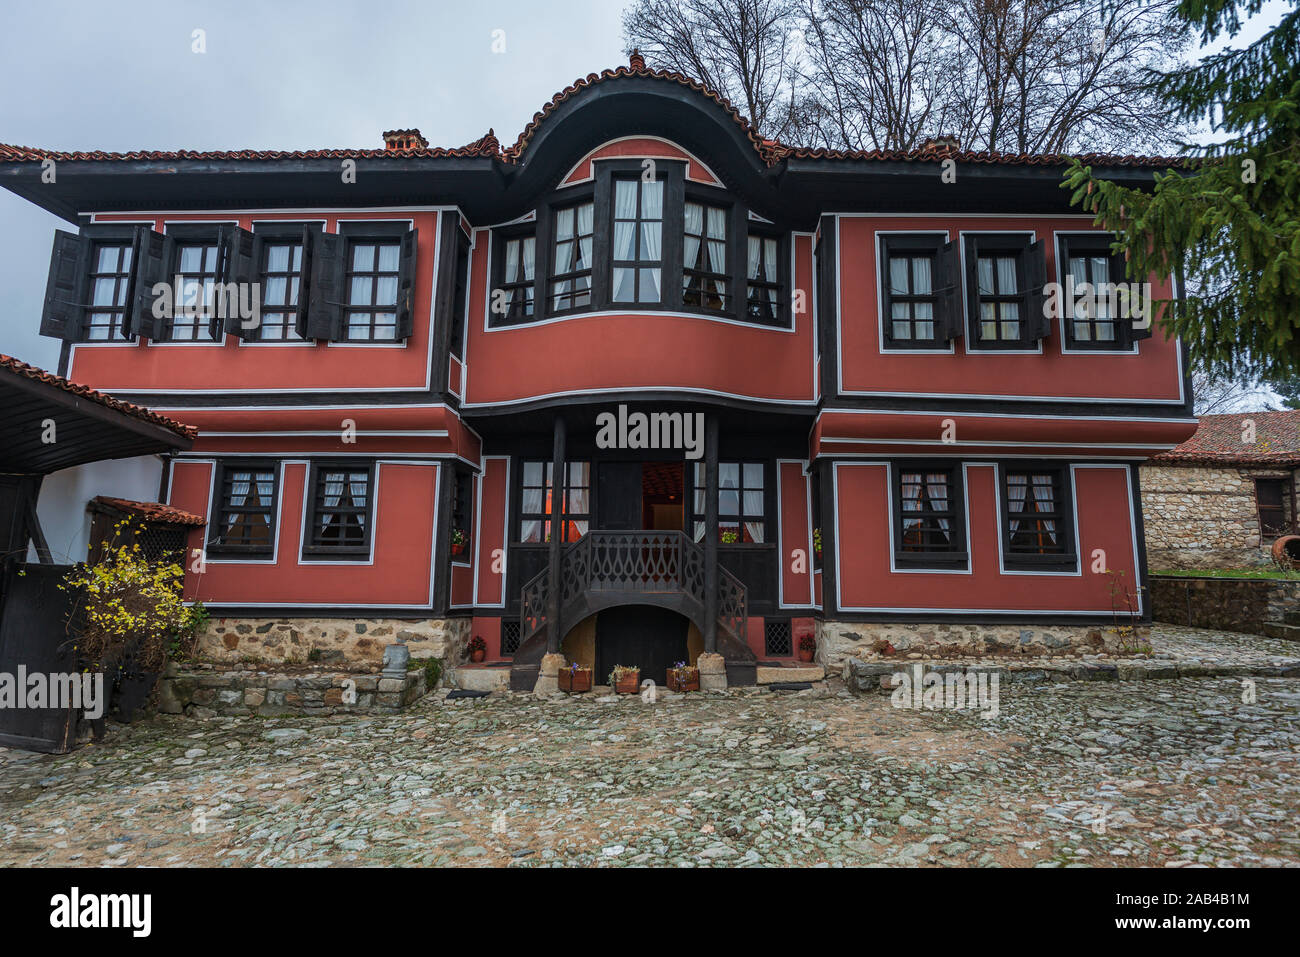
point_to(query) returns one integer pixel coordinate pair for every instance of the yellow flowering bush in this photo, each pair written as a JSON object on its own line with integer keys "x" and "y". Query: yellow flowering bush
{"x": 131, "y": 608}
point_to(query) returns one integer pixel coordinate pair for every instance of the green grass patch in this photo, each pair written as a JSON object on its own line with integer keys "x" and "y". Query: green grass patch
{"x": 1274, "y": 573}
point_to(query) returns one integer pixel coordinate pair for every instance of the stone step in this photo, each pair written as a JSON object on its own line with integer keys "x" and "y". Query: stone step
{"x": 480, "y": 679}
{"x": 767, "y": 676}
{"x": 1292, "y": 617}
{"x": 1276, "y": 629}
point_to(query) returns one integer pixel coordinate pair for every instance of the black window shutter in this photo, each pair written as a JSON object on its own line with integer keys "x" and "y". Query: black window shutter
{"x": 238, "y": 266}
{"x": 65, "y": 292}
{"x": 1134, "y": 332}
{"x": 1037, "y": 320}
{"x": 325, "y": 309}
{"x": 948, "y": 287}
{"x": 406, "y": 286}
{"x": 310, "y": 241}
{"x": 153, "y": 257}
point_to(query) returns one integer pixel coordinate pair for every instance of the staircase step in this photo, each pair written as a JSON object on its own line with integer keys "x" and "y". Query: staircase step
{"x": 767, "y": 676}
{"x": 1276, "y": 629}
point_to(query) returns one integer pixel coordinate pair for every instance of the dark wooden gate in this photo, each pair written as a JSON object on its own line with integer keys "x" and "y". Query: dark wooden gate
{"x": 652, "y": 638}
{"x": 618, "y": 495}
{"x": 33, "y": 627}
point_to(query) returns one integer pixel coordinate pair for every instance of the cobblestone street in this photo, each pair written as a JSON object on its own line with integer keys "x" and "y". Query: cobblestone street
{"x": 1154, "y": 772}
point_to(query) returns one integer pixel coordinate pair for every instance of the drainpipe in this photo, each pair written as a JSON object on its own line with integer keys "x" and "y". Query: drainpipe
{"x": 557, "y": 531}
{"x": 711, "y": 534}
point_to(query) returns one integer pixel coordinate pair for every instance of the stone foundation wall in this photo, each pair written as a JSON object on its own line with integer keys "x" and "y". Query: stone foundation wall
{"x": 1203, "y": 516}
{"x": 839, "y": 641}
{"x": 207, "y": 692}
{"x": 337, "y": 641}
{"x": 1242, "y": 605}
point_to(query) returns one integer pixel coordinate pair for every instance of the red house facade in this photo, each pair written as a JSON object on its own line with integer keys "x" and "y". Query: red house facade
{"x": 787, "y": 391}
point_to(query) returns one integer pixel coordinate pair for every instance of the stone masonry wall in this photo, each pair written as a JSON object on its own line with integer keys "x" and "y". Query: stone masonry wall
{"x": 1202, "y": 516}
{"x": 209, "y": 691}
{"x": 331, "y": 640}
{"x": 839, "y": 641}
{"x": 1242, "y": 605}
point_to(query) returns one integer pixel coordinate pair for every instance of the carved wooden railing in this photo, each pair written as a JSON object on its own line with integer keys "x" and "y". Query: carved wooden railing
{"x": 633, "y": 562}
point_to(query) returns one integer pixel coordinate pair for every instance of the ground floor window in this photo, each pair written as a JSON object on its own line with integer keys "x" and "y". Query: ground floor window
{"x": 535, "y": 501}
{"x": 244, "y": 519}
{"x": 1270, "y": 499}
{"x": 1037, "y": 518}
{"x": 339, "y": 513}
{"x": 929, "y": 519}
{"x": 741, "y": 503}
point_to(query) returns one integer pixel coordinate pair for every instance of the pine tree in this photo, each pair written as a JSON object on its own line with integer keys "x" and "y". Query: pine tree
{"x": 1228, "y": 218}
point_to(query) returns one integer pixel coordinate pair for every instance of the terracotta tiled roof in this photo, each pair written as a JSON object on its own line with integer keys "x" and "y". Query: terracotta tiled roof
{"x": 151, "y": 511}
{"x": 1218, "y": 439}
{"x": 9, "y": 364}
{"x": 770, "y": 151}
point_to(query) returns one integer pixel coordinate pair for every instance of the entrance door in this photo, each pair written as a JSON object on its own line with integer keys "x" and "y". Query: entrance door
{"x": 652, "y": 638}
{"x": 618, "y": 496}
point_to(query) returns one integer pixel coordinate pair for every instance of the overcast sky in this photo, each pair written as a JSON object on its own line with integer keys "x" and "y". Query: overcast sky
{"x": 282, "y": 75}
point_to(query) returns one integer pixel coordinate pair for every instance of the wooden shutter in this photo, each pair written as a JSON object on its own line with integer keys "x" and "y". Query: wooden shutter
{"x": 65, "y": 291}
{"x": 406, "y": 286}
{"x": 239, "y": 265}
{"x": 153, "y": 258}
{"x": 328, "y": 271}
{"x": 948, "y": 285}
{"x": 310, "y": 240}
{"x": 1119, "y": 273}
{"x": 1037, "y": 321}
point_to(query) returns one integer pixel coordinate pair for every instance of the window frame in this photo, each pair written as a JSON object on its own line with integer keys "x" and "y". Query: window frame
{"x": 729, "y": 210}
{"x": 213, "y": 542}
{"x": 780, "y": 318}
{"x": 933, "y": 244}
{"x": 1064, "y": 561}
{"x": 544, "y": 517}
{"x": 185, "y": 235}
{"x": 1068, "y": 245}
{"x": 698, "y": 482}
{"x": 462, "y": 511}
{"x": 500, "y": 238}
{"x": 637, "y": 265}
{"x": 973, "y": 246}
{"x": 955, "y": 558}
{"x": 304, "y": 232}
{"x": 1282, "y": 490}
{"x": 377, "y": 238}
{"x": 312, "y": 550}
{"x": 552, "y": 240}
{"x": 123, "y": 282}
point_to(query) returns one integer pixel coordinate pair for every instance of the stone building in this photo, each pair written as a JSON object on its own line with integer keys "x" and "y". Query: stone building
{"x": 1223, "y": 497}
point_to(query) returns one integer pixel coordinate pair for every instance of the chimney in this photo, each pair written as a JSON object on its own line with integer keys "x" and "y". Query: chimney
{"x": 943, "y": 143}
{"x": 636, "y": 61}
{"x": 405, "y": 140}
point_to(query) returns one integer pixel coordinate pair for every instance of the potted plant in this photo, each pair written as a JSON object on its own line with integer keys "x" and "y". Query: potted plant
{"x": 132, "y": 618}
{"x": 730, "y": 537}
{"x": 458, "y": 542}
{"x": 626, "y": 679}
{"x": 817, "y": 543}
{"x": 807, "y": 647}
{"x": 477, "y": 649}
{"x": 575, "y": 679}
{"x": 682, "y": 677}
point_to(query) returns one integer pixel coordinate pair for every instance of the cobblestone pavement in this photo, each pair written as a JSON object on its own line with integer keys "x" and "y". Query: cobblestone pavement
{"x": 1163, "y": 773}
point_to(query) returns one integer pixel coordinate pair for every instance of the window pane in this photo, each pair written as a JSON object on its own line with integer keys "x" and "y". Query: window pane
{"x": 625, "y": 241}
{"x": 652, "y": 199}
{"x": 649, "y": 285}
{"x": 624, "y": 285}
{"x": 898, "y": 276}
{"x": 921, "y": 276}
{"x": 277, "y": 259}
{"x": 363, "y": 257}
{"x": 362, "y": 286}
{"x": 1006, "y": 275}
{"x": 389, "y": 256}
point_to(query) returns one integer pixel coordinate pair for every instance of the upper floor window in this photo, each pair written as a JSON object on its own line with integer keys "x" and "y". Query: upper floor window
{"x": 110, "y": 282}
{"x": 1099, "y": 313}
{"x": 621, "y": 241}
{"x": 282, "y": 267}
{"x": 571, "y": 261}
{"x": 339, "y": 515}
{"x": 197, "y": 269}
{"x": 1006, "y": 275}
{"x": 245, "y": 496}
{"x": 705, "y": 283}
{"x": 373, "y": 274}
{"x": 763, "y": 289}
{"x": 1037, "y": 518}
{"x": 638, "y": 240}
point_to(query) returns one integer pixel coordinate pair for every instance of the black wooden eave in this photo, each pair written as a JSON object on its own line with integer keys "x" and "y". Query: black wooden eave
{"x": 85, "y": 431}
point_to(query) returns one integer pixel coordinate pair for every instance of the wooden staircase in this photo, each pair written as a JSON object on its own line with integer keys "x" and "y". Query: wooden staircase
{"x": 605, "y": 569}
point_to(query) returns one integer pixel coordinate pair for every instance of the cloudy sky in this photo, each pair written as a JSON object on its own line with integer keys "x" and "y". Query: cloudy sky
{"x": 283, "y": 75}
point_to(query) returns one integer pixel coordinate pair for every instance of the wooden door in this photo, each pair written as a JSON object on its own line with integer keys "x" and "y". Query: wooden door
{"x": 652, "y": 638}
{"x": 618, "y": 495}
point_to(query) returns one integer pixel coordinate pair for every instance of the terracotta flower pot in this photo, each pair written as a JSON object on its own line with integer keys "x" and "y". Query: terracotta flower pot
{"x": 685, "y": 679}
{"x": 630, "y": 683}
{"x": 806, "y": 654}
{"x": 1286, "y": 550}
{"x": 457, "y": 550}
{"x": 575, "y": 681}
{"x": 477, "y": 655}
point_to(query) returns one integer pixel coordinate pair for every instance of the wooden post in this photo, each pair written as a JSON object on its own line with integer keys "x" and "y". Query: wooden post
{"x": 711, "y": 534}
{"x": 553, "y": 633}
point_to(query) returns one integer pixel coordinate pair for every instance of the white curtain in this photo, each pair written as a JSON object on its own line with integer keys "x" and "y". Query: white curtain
{"x": 1006, "y": 275}
{"x": 1044, "y": 501}
{"x": 717, "y": 240}
{"x": 898, "y": 276}
{"x": 529, "y": 257}
{"x": 936, "y": 487}
{"x": 694, "y": 227}
{"x": 584, "y": 236}
{"x": 1016, "y": 490}
{"x": 921, "y": 276}
{"x": 512, "y": 260}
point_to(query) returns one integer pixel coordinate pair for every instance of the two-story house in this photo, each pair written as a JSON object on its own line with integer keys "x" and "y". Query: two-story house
{"x": 640, "y": 386}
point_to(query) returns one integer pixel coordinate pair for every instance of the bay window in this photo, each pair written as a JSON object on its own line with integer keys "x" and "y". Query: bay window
{"x": 571, "y": 261}
{"x": 705, "y": 283}
{"x": 637, "y": 256}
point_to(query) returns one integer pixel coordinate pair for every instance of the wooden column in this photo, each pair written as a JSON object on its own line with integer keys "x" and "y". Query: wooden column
{"x": 711, "y": 534}
{"x": 553, "y": 633}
